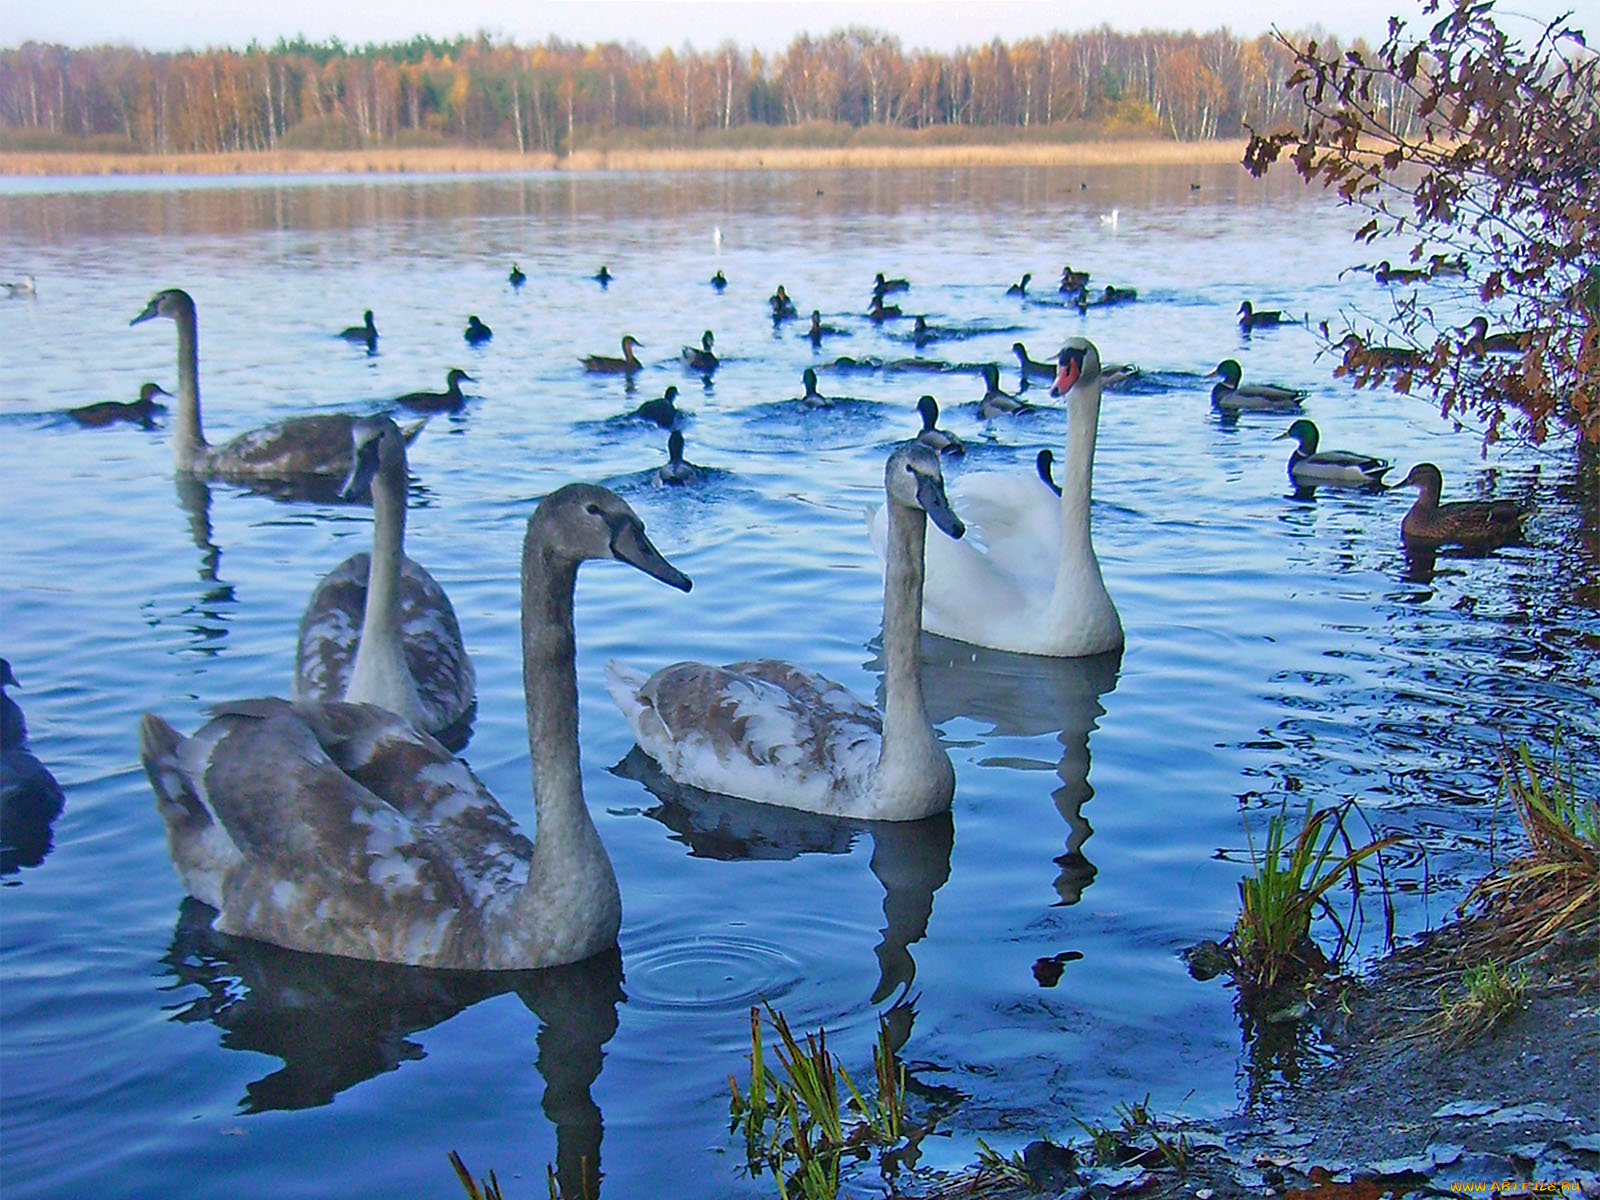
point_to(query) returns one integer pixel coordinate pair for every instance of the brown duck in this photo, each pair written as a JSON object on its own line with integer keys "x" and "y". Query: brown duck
{"x": 1476, "y": 524}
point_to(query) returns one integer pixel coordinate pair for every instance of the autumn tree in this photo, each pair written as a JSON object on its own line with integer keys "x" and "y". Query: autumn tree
{"x": 1483, "y": 155}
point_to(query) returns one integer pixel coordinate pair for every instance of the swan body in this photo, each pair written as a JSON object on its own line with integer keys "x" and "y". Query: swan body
{"x": 477, "y": 333}
{"x": 701, "y": 358}
{"x": 1028, "y": 581}
{"x": 663, "y": 410}
{"x": 770, "y": 731}
{"x": 366, "y": 332}
{"x": 1475, "y": 524}
{"x": 1231, "y": 396}
{"x": 676, "y": 470}
{"x": 379, "y": 629}
{"x": 297, "y": 447}
{"x": 995, "y": 402}
{"x": 931, "y": 435}
{"x": 341, "y": 829}
{"x": 1308, "y": 464}
{"x": 22, "y": 289}
{"x": 626, "y": 365}
{"x": 108, "y": 412}
{"x": 449, "y": 400}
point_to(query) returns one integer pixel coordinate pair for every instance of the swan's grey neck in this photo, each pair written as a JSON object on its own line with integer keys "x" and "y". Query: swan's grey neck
{"x": 550, "y": 685}
{"x": 907, "y": 736}
{"x": 380, "y": 674}
{"x": 188, "y": 439}
{"x": 1077, "y": 476}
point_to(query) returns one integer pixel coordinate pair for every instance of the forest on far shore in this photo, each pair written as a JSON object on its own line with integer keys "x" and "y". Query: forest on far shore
{"x": 557, "y": 97}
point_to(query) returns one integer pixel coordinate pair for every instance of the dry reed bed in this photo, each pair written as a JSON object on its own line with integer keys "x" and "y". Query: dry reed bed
{"x": 446, "y": 160}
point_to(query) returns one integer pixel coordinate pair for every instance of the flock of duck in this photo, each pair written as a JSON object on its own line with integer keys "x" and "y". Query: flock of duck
{"x": 339, "y": 820}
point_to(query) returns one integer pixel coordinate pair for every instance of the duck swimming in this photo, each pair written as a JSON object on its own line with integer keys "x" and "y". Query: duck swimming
{"x": 701, "y": 358}
{"x": 1483, "y": 342}
{"x": 818, "y": 329}
{"x": 676, "y": 470}
{"x": 1384, "y": 273}
{"x": 477, "y": 333}
{"x": 30, "y": 797}
{"x": 1031, "y": 366}
{"x": 1230, "y": 396}
{"x": 719, "y": 280}
{"x": 626, "y": 365}
{"x": 23, "y": 289}
{"x": 366, "y": 332}
{"x": 1020, "y": 287}
{"x": 996, "y": 402}
{"x": 108, "y": 412}
{"x": 812, "y": 398}
{"x": 1029, "y": 581}
{"x": 1309, "y": 465}
{"x": 1043, "y": 466}
{"x": 882, "y": 286}
{"x": 782, "y": 307}
{"x": 932, "y": 436}
{"x": 880, "y": 312}
{"x": 449, "y": 400}
{"x": 1073, "y": 282}
{"x": 288, "y": 450}
{"x": 379, "y": 629}
{"x": 517, "y": 277}
{"x": 1250, "y": 319}
{"x": 1473, "y": 524}
{"x": 340, "y": 829}
{"x": 663, "y": 410}
{"x": 770, "y": 731}
{"x": 603, "y": 276}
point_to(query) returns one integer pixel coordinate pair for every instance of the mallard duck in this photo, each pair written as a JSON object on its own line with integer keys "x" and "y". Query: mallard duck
{"x": 379, "y": 629}
{"x": 931, "y": 435}
{"x": 1073, "y": 282}
{"x": 1250, "y": 319}
{"x": 995, "y": 402}
{"x": 922, "y": 334}
{"x": 603, "y": 276}
{"x": 663, "y": 410}
{"x": 1043, "y": 370}
{"x": 1230, "y": 396}
{"x": 782, "y": 307}
{"x": 1020, "y": 287}
{"x": 477, "y": 333}
{"x": 1475, "y": 524}
{"x": 719, "y": 280}
{"x": 1483, "y": 342}
{"x": 811, "y": 397}
{"x": 626, "y": 365}
{"x": 676, "y": 470}
{"x": 366, "y": 332}
{"x": 700, "y": 358}
{"x": 30, "y": 797}
{"x": 881, "y": 312}
{"x": 1307, "y": 464}
{"x": 289, "y": 451}
{"x": 1384, "y": 273}
{"x": 882, "y": 286}
{"x": 818, "y": 329}
{"x": 1044, "y": 466}
{"x": 1028, "y": 581}
{"x": 341, "y": 829}
{"x": 517, "y": 277}
{"x": 770, "y": 731}
{"x": 1385, "y": 358}
{"x": 107, "y": 412}
{"x": 1442, "y": 266}
{"x": 449, "y": 400}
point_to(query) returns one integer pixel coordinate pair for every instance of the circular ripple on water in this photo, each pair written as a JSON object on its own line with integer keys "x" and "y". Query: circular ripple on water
{"x": 710, "y": 973}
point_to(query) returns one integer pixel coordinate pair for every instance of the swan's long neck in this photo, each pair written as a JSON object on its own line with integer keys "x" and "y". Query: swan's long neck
{"x": 1077, "y": 481}
{"x": 909, "y": 744}
{"x": 380, "y": 674}
{"x": 566, "y": 836}
{"x": 188, "y": 440}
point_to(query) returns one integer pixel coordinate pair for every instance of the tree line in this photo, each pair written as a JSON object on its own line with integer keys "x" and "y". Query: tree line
{"x": 557, "y": 97}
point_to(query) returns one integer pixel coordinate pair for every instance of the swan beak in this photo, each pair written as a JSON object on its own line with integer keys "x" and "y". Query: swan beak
{"x": 148, "y": 313}
{"x": 630, "y": 545}
{"x": 362, "y": 471}
{"x": 1066, "y": 375}
{"x": 930, "y": 494}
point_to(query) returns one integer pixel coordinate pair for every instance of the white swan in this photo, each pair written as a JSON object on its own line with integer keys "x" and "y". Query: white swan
{"x": 768, "y": 730}
{"x": 378, "y": 628}
{"x": 1033, "y": 584}
{"x": 339, "y": 828}
{"x": 295, "y": 448}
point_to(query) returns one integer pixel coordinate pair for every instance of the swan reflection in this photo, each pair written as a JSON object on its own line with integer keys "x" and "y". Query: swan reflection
{"x": 335, "y": 1022}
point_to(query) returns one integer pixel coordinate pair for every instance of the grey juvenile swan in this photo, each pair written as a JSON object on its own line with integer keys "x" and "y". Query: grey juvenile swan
{"x": 378, "y": 628}
{"x": 339, "y": 828}
{"x": 296, "y": 447}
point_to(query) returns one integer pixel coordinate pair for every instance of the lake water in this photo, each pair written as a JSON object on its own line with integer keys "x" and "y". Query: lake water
{"x": 1279, "y": 649}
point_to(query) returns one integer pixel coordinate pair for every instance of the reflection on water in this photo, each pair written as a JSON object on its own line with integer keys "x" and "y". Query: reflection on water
{"x": 334, "y": 1022}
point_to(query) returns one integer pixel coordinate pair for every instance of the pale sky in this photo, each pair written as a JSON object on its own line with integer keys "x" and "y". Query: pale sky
{"x": 765, "y": 25}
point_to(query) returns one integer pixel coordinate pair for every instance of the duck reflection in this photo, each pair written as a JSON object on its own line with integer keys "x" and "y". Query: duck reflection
{"x": 1026, "y": 695}
{"x": 911, "y": 859}
{"x": 335, "y": 1022}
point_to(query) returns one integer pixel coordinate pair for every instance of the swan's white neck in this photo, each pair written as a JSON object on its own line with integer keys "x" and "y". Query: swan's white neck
{"x": 910, "y": 752}
{"x": 188, "y": 440}
{"x": 380, "y": 674}
{"x": 1077, "y": 480}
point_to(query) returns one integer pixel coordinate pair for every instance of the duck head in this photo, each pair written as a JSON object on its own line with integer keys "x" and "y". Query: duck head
{"x": 1228, "y": 371}
{"x": 1425, "y": 478}
{"x": 1304, "y": 432}
{"x": 928, "y": 407}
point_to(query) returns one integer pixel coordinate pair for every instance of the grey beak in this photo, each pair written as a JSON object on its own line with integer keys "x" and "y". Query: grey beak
{"x": 629, "y": 543}
{"x": 930, "y": 494}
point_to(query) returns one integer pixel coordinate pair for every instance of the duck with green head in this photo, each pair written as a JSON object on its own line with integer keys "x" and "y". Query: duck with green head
{"x": 1310, "y": 465}
{"x": 1232, "y": 396}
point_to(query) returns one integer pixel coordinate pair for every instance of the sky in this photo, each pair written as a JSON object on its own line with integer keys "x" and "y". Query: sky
{"x": 765, "y": 25}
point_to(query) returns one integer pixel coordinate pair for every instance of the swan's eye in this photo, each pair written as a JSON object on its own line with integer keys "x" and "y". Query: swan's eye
{"x": 594, "y": 510}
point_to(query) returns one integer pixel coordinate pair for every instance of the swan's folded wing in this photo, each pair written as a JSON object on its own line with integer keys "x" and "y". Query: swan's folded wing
{"x": 313, "y": 445}
{"x": 1016, "y": 520}
{"x": 435, "y": 654}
